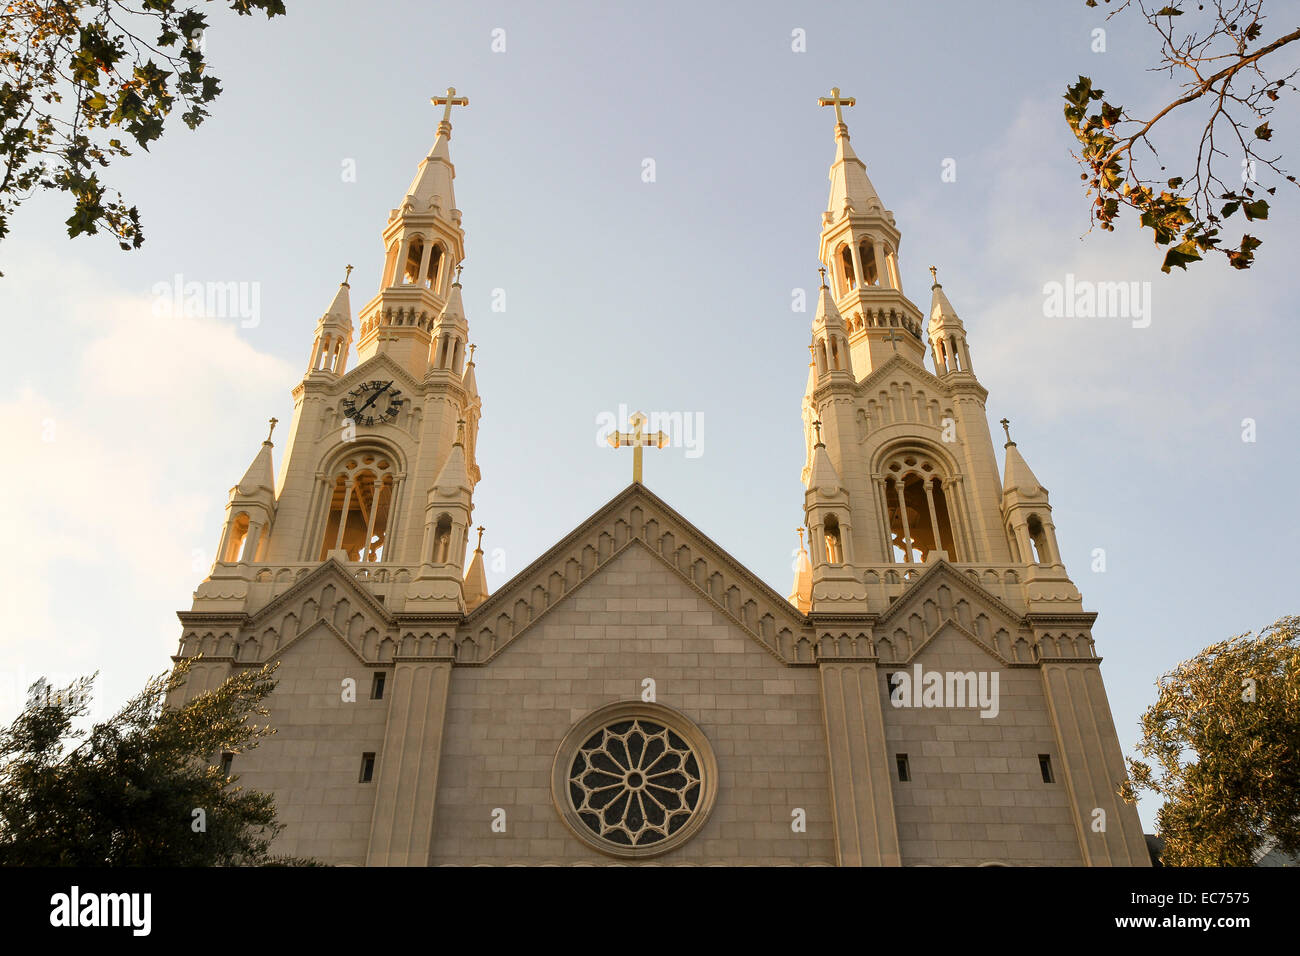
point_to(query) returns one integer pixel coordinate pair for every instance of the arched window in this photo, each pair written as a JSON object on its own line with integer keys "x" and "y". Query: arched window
{"x": 867, "y": 254}
{"x": 442, "y": 540}
{"x": 238, "y": 535}
{"x": 920, "y": 517}
{"x": 361, "y": 499}
{"x": 834, "y": 547}
{"x": 1038, "y": 540}
{"x": 390, "y": 263}
{"x": 414, "y": 255}
{"x": 432, "y": 280}
{"x": 849, "y": 279}
{"x": 822, "y": 367}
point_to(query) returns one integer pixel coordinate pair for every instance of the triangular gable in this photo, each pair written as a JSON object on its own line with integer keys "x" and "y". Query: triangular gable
{"x": 319, "y": 624}
{"x": 334, "y": 571}
{"x": 942, "y": 569}
{"x": 380, "y": 362}
{"x": 922, "y": 589}
{"x": 635, "y": 517}
{"x": 917, "y": 372}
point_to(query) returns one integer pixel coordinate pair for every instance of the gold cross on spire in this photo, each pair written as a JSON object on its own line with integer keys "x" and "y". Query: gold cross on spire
{"x": 1006, "y": 427}
{"x": 836, "y": 101}
{"x": 450, "y": 100}
{"x": 934, "y": 275}
{"x": 274, "y": 422}
{"x": 479, "y": 547}
{"x": 637, "y": 438}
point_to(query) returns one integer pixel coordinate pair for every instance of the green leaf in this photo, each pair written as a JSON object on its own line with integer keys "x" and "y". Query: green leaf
{"x": 1180, "y": 255}
{"x": 1256, "y": 210}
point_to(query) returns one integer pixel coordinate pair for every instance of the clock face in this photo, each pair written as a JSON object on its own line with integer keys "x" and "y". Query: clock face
{"x": 373, "y": 403}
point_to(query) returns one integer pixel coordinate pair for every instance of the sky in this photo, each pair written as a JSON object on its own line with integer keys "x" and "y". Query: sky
{"x": 131, "y": 425}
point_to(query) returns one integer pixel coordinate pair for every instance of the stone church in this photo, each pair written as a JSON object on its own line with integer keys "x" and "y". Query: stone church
{"x": 928, "y": 693}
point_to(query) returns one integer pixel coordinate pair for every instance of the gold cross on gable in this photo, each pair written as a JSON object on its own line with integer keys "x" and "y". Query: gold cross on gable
{"x": 638, "y": 438}
{"x": 450, "y": 100}
{"x": 836, "y": 101}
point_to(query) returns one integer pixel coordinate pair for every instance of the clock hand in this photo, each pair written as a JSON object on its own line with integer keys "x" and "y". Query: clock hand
{"x": 373, "y": 397}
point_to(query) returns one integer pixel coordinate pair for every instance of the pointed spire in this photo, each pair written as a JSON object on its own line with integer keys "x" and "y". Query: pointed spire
{"x": 468, "y": 379}
{"x": 260, "y": 475}
{"x": 828, "y": 314}
{"x": 801, "y": 593}
{"x": 433, "y": 177}
{"x": 476, "y": 589}
{"x": 850, "y": 187}
{"x": 454, "y": 475}
{"x": 454, "y": 310}
{"x": 1017, "y": 475}
{"x": 823, "y": 477}
{"x": 941, "y": 310}
{"x": 340, "y": 309}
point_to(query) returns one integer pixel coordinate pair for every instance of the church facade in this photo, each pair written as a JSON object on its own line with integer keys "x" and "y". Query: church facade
{"x": 929, "y": 693}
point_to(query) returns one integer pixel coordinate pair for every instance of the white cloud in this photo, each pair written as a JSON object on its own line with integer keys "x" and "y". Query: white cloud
{"x": 122, "y": 438}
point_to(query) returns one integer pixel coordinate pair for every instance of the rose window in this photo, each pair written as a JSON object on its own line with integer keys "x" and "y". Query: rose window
{"x": 635, "y": 782}
{"x": 634, "y": 779}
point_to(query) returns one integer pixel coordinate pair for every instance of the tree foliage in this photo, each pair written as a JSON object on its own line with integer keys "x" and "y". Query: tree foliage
{"x": 1215, "y": 50}
{"x": 127, "y": 792}
{"x": 1223, "y": 741}
{"x": 81, "y": 81}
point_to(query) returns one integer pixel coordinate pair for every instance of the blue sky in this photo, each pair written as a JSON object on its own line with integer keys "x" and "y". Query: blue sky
{"x": 665, "y": 296}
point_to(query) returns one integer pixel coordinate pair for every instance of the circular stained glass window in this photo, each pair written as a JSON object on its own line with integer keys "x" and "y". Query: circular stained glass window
{"x": 634, "y": 779}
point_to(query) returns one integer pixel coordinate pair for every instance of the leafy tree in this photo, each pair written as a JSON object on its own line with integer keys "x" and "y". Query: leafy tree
{"x": 127, "y": 793}
{"x": 80, "y": 79}
{"x": 1214, "y": 49}
{"x": 1224, "y": 736}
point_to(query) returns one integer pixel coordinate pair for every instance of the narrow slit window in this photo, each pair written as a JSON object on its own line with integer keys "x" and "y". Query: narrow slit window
{"x": 227, "y": 761}
{"x": 1045, "y": 767}
{"x": 904, "y": 771}
{"x": 367, "y": 767}
{"x": 377, "y": 686}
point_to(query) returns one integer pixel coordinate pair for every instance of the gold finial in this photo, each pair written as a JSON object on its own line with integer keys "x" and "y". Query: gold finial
{"x": 800, "y": 531}
{"x": 1006, "y": 427}
{"x": 480, "y": 539}
{"x": 934, "y": 275}
{"x": 638, "y": 438}
{"x": 472, "y": 347}
{"x": 822, "y": 270}
{"x": 450, "y": 100}
{"x": 460, "y": 431}
{"x": 818, "y": 425}
{"x": 459, "y": 266}
{"x": 347, "y": 275}
{"x": 836, "y": 101}
{"x": 274, "y": 422}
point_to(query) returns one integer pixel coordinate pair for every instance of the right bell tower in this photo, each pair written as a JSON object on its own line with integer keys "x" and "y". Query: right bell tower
{"x": 929, "y": 567}
{"x": 901, "y": 469}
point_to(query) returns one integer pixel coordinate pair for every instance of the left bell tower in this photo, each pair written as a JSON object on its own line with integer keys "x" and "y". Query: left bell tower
{"x": 378, "y": 470}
